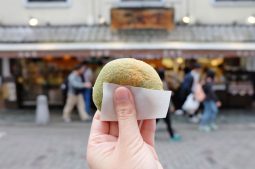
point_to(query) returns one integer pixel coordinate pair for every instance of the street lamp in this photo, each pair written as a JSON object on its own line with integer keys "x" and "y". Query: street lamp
{"x": 186, "y": 19}
{"x": 101, "y": 20}
{"x": 251, "y": 19}
{"x": 33, "y": 21}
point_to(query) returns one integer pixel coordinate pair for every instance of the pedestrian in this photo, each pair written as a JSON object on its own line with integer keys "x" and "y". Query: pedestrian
{"x": 188, "y": 86}
{"x": 173, "y": 81}
{"x": 74, "y": 96}
{"x": 211, "y": 104}
{"x": 87, "y": 93}
{"x": 173, "y": 135}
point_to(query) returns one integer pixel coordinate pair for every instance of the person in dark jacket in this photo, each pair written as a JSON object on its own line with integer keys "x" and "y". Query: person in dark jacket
{"x": 187, "y": 87}
{"x": 211, "y": 104}
{"x": 173, "y": 135}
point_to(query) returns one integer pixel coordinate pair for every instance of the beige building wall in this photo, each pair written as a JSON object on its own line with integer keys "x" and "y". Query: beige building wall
{"x": 15, "y": 12}
{"x": 205, "y": 12}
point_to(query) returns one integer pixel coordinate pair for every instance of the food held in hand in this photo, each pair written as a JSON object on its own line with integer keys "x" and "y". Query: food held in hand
{"x": 126, "y": 72}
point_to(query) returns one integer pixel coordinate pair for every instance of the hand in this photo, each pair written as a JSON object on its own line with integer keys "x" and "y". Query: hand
{"x": 87, "y": 85}
{"x": 122, "y": 145}
{"x": 218, "y": 103}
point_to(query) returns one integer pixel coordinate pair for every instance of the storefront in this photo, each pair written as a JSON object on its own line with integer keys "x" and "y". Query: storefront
{"x": 37, "y": 76}
{"x": 234, "y": 81}
{"x": 40, "y": 68}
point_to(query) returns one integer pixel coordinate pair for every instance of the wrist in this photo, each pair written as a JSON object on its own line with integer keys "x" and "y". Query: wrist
{"x": 159, "y": 166}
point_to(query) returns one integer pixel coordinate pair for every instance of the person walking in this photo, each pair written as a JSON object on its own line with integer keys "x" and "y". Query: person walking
{"x": 188, "y": 86}
{"x": 87, "y": 93}
{"x": 173, "y": 135}
{"x": 211, "y": 104}
{"x": 74, "y": 96}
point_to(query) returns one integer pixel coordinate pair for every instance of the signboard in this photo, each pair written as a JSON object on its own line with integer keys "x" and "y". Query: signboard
{"x": 142, "y": 18}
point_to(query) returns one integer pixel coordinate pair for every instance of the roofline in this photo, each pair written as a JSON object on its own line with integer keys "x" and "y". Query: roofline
{"x": 127, "y": 46}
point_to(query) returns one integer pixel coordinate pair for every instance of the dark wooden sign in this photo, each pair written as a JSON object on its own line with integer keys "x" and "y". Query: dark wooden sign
{"x": 142, "y": 18}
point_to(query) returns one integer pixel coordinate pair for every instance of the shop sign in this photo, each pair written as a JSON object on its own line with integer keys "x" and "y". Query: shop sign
{"x": 142, "y": 18}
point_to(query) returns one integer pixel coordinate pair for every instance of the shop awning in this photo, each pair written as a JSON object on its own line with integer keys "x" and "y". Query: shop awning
{"x": 227, "y": 40}
{"x": 127, "y": 46}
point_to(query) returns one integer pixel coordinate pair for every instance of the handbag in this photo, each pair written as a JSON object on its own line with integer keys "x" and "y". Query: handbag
{"x": 191, "y": 104}
{"x": 199, "y": 93}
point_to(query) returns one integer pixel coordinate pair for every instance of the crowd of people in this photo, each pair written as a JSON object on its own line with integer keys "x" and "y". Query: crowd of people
{"x": 191, "y": 95}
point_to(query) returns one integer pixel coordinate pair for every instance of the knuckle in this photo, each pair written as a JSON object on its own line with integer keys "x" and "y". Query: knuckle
{"x": 125, "y": 112}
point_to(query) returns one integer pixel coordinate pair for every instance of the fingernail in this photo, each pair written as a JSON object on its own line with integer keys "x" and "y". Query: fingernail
{"x": 122, "y": 94}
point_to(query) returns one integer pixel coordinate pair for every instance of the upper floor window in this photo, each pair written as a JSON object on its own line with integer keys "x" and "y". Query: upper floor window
{"x": 233, "y": 2}
{"x": 139, "y": 0}
{"x": 47, "y": 3}
{"x": 137, "y": 3}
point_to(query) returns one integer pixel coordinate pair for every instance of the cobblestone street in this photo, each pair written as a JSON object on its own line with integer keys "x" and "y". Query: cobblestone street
{"x": 23, "y": 145}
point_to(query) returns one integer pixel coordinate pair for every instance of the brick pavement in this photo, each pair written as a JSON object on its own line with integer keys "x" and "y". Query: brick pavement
{"x": 23, "y": 145}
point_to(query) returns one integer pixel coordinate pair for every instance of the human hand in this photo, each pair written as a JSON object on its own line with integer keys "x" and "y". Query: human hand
{"x": 87, "y": 85}
{"x": 122, "y": 145}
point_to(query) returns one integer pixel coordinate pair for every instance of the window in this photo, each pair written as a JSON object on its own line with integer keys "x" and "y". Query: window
{"x": 141, "y": 3}
{"x": 233, "y": 2}
{"x": 140, "y": 0}
{"x": 47, "y": 3}
{"x": 46, "y": 0}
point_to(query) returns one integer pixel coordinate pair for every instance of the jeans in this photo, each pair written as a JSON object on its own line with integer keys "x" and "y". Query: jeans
{"x": 87, "y": 98}
{"x": 210, "y": 113}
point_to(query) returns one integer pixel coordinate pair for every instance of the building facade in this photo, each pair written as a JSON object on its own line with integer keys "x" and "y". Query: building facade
{"x": 51, "y": 12}
{"x": 41, "y": 40}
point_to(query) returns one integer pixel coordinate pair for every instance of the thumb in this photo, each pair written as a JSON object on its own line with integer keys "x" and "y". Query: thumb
{"x": 126, "y": 113}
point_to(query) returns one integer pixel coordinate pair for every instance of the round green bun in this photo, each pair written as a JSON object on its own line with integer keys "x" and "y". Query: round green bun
{"x": 126, "y": 71}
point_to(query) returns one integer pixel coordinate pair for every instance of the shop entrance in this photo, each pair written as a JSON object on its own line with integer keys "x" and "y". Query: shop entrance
{"x": 41, "y": 76}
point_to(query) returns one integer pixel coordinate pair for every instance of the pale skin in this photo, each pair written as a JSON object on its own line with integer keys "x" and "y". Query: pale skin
{"x": 122, "y": 144}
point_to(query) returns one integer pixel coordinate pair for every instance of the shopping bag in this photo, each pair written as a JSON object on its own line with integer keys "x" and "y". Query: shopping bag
{"x": 191, "y": 104}
{"x": 199, "y": 93}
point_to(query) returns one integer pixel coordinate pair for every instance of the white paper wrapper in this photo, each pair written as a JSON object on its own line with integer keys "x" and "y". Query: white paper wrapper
{"x": 150, "y": 104}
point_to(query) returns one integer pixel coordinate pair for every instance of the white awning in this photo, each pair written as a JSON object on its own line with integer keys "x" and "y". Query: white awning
{"x": 126, "y": 46}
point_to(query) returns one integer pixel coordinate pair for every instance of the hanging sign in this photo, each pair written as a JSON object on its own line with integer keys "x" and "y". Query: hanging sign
{"x": 142, "y": 18}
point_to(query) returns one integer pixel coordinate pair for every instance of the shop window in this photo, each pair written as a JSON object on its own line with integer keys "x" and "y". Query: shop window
{"x": 47, "y": 3}
{"x": 233, "y": 2}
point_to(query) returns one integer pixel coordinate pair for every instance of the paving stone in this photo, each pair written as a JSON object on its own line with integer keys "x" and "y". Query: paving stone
{"x": 23, "y": 145}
